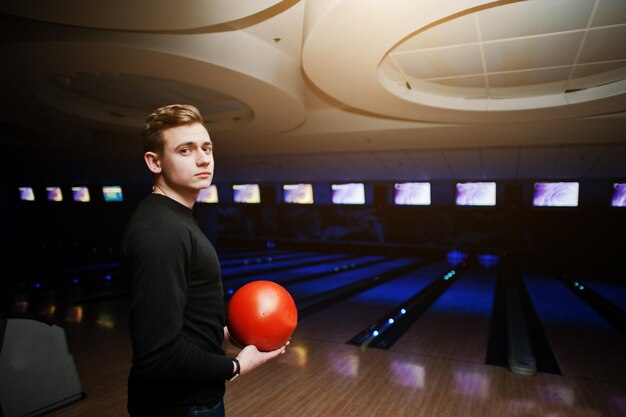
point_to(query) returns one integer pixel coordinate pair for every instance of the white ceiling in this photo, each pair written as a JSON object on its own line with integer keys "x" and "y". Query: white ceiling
{"x": 521, "y": 49}
{"x": 325, "y": 89}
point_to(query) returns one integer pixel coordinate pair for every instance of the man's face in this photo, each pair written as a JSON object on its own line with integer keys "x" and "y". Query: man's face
{"x": 187, "y": 158}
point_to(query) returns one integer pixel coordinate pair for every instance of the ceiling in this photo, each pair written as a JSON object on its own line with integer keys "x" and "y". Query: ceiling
{"x": 320, "y": 90}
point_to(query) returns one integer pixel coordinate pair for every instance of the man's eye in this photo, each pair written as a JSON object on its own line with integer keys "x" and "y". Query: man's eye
{"x": 184, "y": 151}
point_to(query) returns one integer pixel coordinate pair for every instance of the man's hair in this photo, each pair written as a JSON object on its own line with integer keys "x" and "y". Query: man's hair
{"x": 164, "y": 118}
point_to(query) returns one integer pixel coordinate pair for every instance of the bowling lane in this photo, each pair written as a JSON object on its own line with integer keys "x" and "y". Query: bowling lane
{"x": 257, "y": 269}
{"x": 227, "y": 255}
{"x": 309, "y": 288}
{"x": 612, "y": 291}
{"x": 457, "y": 325}
{"x": 93, "y": 286}
{"x": 360, "y": 311}
{"x": 263, "y": 258}
{"x": 331, "y": 264}
{"x": 584, "y": 344}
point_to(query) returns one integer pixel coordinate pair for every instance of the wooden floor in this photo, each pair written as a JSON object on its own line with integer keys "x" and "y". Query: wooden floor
{"x": 318, "y": 378}
{"x": 436, "y": 369}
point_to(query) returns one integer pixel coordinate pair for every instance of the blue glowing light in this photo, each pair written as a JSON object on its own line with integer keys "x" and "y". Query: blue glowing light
{"x": 375, "y": 333}
{"x": 576, "y": 284}
{"x": 488, "y": 260}
{"x": 456, "y": 257}
{"x": 75, "y": 280}
{"x": 581, "y": 287}
{"x": 390, "y": 321}
{"x": 231, "y": 291}
{"x": 37, "y": 285}
{"x": 108, "y": 277}
{"x": 403, "y": 311}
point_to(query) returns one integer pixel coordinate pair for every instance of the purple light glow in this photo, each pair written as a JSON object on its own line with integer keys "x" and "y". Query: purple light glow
{"x": 208, "y": 195}
{"x": 298, "y": 193}
{"x": 412, "y": 193}
{"x": 353, "y": 193}
{"x": 619, "y": 195}
{"x": 27, "y": 194}
{"x": 345, "y": 364}
{"x": 408, "y": 374}
{"x": 81, "y": 194}
{"x": 476, "y": 194}
{"x": 561, "y": 395}
{"x": 556, "y": 194}
{"x": 54, "y": 193}
{"x": 473, "y": 384}
{"x": 247, "y": 193}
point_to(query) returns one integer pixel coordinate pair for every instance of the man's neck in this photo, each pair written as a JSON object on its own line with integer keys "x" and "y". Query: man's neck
{"x": 186, "y": 200}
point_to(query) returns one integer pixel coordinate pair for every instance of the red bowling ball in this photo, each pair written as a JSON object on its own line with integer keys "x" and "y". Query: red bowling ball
{"x": 263, "y": 314}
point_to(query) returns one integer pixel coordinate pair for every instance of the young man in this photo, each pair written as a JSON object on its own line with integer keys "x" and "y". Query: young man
{"x": 177, "y": 319}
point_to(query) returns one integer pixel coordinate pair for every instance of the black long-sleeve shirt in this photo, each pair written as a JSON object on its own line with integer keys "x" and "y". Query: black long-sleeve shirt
{"x": 176, "y": 310}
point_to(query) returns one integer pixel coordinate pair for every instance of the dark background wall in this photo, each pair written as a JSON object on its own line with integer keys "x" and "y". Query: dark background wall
{"x": 41, "y": 235}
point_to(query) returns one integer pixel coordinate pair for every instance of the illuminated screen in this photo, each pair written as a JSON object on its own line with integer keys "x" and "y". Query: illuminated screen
{"x": 555, "y": 194}
{"x": 81, "y": 194}
{"x": 619, "y": 195}
{"x": 208, "y": 195}
{"x": 476, "y": 194}
{"x": 27, "y": 194}
{"x": 353, "y": 193}
{"x": 112, "y": 193}
{"x": 298, "y": 193}
{"x": 54, "y": 193}
{"x": 412, "y": 194}
{"x": 246, "y": 193}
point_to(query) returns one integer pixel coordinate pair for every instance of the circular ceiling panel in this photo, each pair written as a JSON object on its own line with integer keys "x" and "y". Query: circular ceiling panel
{"x": 124, "y": 94}
{"x": 475, "y": 56}
{"x": 436, "y": 61}
{"x": 117, "y": 86}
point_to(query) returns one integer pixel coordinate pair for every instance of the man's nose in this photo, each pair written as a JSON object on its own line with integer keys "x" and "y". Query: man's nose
{"x": 204, "y": 159}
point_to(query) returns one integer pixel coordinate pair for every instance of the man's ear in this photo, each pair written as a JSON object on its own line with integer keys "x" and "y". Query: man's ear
{"x": 153, "y": 162}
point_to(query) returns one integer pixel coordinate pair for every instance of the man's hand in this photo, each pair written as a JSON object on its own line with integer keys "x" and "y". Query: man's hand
{"x": 250, "y": 357}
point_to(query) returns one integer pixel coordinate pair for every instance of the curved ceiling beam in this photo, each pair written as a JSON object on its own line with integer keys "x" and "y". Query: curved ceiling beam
{"x": 143, "y": 15}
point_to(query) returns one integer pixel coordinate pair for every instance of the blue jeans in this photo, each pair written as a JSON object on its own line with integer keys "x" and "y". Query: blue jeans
{"x": 204, "y": 411}
{"x": 193, "y": 411}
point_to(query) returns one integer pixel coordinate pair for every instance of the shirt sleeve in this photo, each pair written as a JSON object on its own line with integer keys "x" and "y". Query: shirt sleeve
{"x": 159, "y": 266}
